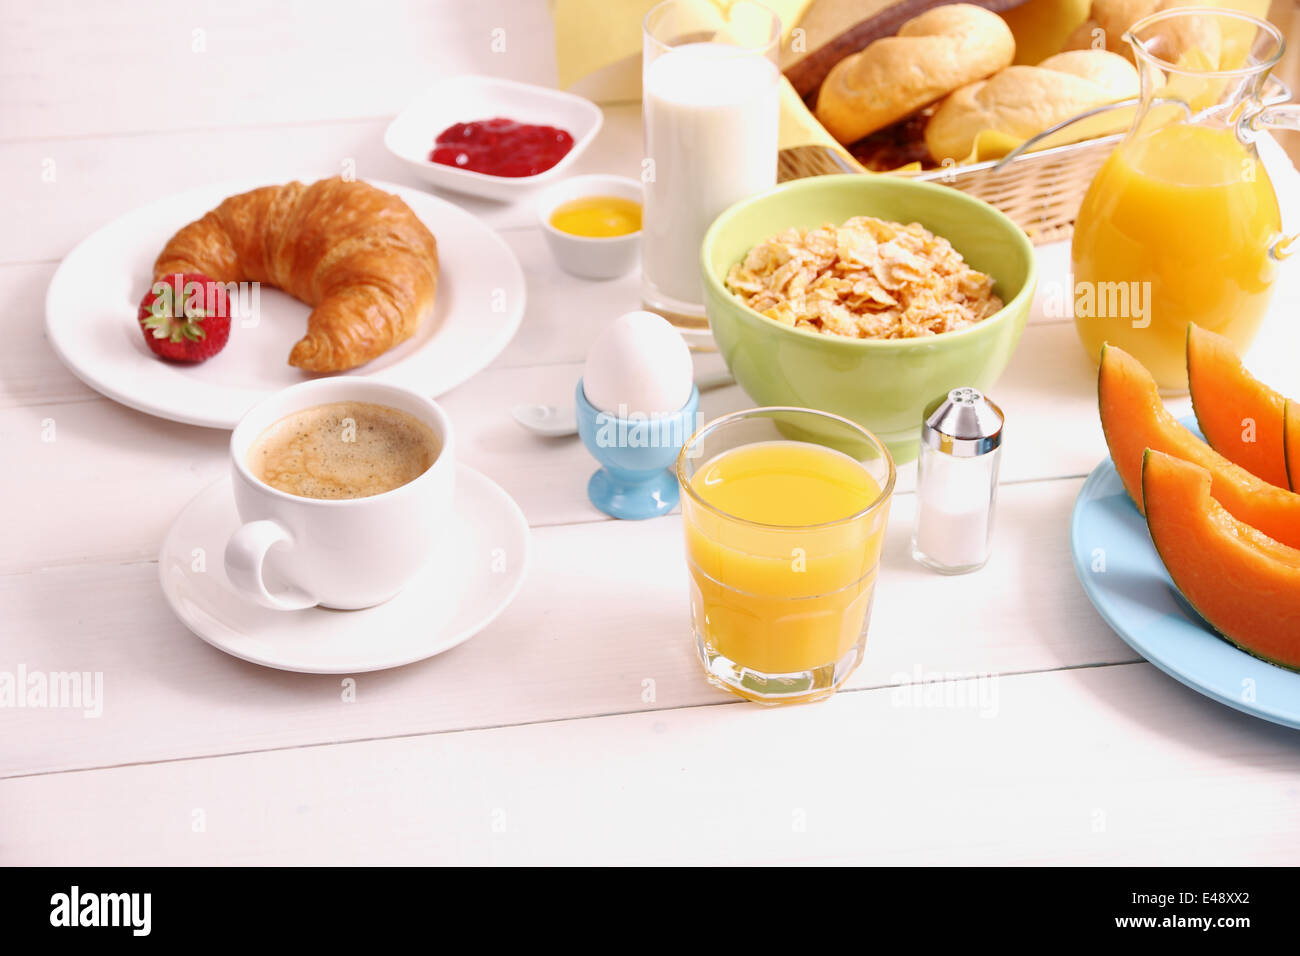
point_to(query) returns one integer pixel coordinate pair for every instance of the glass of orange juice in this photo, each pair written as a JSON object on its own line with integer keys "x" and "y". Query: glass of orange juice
{"x": 784, "y": 511}
{"x": 1181, "y": 223}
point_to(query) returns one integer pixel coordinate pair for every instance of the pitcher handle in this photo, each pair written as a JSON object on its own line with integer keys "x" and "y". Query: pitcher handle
{"x": 1279, "y": 115}
{"x": 1275, "y": 91}
{"x": 1283, "y": 247}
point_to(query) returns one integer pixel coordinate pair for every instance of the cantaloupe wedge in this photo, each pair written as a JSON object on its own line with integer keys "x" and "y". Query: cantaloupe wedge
{"x": 1239, "y": 415}
{"x": 1245, "y": 584}
{"x": 1291, "y": 442}
{"x": 1134, "y": 419}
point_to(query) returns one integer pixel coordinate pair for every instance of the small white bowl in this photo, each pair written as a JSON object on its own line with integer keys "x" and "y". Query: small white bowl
{"x": 466, "y": 98}
{"x": 604, "y": 257}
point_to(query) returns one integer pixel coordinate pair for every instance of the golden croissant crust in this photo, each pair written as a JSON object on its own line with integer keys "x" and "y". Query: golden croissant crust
{"x": 358, "y": 255}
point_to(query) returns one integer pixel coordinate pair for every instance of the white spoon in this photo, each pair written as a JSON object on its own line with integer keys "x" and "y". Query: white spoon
{"x": 559, "y": 421}
{"x": 552, "y": 421}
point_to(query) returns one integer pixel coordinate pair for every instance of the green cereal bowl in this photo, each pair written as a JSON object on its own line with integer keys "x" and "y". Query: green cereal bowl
{"x": 883, "y": 384}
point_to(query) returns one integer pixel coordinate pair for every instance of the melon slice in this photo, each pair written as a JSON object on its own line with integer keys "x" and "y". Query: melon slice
{"x": 1245, "y": 584}
{"x": 1134, "y": 419}
{"x": 1239, "y": 415}
{"x": 1291, "y": 442}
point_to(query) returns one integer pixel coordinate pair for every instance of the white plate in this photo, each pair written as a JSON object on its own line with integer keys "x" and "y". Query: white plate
{"x": 465, "y": 586}
{"x": 91, "y": 306}
{"x": 464, "y": 99}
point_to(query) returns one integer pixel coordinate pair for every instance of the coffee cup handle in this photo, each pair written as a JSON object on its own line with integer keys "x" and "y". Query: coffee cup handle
{"x": 245, "y": 558}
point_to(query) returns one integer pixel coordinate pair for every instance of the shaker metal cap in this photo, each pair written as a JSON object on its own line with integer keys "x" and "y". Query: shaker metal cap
{"x": 965, "y": 424}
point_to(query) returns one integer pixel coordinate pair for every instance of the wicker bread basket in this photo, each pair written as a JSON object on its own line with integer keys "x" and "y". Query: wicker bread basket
{"x": 1040, "y": 191}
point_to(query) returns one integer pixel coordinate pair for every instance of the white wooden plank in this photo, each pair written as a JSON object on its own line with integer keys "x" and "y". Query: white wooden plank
{"x": 72, "y": 69}
{"x": 30, "y": 372}
{"x": 564, "y": 314}
{"x": 604, "y": 610}
{"x": 95, "y": 480}
{"x": 1100, "y": 765}
{"x": 62, "y": 190}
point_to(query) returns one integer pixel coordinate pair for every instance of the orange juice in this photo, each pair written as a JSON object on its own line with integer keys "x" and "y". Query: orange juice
{"x": 1178, "y": 220}
{"x": 787, "y": 587}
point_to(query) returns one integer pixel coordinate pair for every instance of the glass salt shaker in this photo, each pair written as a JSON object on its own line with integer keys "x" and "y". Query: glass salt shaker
{"x": 957, "y": 482}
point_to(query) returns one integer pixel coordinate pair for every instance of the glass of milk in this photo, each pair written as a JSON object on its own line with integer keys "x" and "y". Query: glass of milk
{"x": 709, "y": 94}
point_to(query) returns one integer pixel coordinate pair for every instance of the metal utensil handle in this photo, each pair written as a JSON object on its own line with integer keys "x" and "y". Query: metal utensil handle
{"x": 1037, "y": 138}
{"x": 1279, "y": 94}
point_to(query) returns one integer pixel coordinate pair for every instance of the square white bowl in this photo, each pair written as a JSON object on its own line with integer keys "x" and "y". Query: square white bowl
{"x": 466, "y": 98}
{"x": 590, "y": 257}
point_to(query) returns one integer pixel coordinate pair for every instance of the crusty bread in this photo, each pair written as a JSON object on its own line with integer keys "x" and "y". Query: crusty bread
{"x": 1089, "y": 35}
{"x": 1021, "y": 101}
{"x": 1116, "y": 16}
{"x": 932, "y": 55}
{"x": 827, "y": 31}
{"x": 1109, "y": 20}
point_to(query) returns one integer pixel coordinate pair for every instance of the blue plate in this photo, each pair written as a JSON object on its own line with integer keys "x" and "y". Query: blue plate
{"x": 1127, "y": 583}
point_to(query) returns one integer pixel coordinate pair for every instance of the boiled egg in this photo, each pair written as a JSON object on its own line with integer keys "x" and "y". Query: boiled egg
{"x": 638, "y": 365}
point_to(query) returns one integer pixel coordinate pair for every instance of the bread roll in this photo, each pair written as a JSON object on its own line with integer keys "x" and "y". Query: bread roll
{"x": 1109, "y": 20}
{"x": 1116, "y": 16}
{"x": 1089, "y": 35}
{"x": 1022, "y": 101}
{"x": 932, "y": 55}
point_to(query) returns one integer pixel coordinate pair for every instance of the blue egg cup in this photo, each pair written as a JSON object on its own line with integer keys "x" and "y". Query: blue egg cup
{"x": 635, "y": 454}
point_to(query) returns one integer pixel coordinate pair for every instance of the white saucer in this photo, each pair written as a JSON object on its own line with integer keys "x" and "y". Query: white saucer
{"x": 469, "y": 581}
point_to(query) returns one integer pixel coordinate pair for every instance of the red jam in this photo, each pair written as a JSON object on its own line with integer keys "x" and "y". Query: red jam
{"x": 501, "y": 147}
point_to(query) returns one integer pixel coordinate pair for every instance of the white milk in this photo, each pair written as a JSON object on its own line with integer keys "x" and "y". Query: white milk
{"x": 711, "y": 118}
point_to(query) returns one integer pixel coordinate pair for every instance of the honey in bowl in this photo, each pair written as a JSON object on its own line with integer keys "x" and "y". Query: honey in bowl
{"x": 597, "y": 217}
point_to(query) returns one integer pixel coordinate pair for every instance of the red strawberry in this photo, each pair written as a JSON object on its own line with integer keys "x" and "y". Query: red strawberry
{"x": 186, "y": 317}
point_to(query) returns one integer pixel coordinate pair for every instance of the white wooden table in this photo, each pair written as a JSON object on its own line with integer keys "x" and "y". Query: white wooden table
{"x": 996, "y": 717}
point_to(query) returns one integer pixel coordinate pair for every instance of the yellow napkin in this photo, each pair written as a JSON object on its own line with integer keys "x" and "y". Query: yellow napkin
{"x": 994, "y": 144}
{"x": 800, "y": 128}
{"x": 600, "y": 41}
{"x": 1041, "y": 27}
{"x": 593, "y": 35}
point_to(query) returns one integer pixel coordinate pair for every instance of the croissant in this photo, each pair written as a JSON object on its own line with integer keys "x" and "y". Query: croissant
{"x": 358, "y": 255}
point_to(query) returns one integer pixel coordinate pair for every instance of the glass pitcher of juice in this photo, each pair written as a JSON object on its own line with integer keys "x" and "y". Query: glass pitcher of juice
{"x": 1181, "y": 223}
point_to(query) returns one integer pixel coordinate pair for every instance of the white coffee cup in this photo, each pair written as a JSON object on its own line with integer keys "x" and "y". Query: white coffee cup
{"x": 294, "y": 552}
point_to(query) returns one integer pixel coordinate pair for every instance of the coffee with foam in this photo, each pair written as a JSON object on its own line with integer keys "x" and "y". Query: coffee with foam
{"x": 343, "y": 450}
